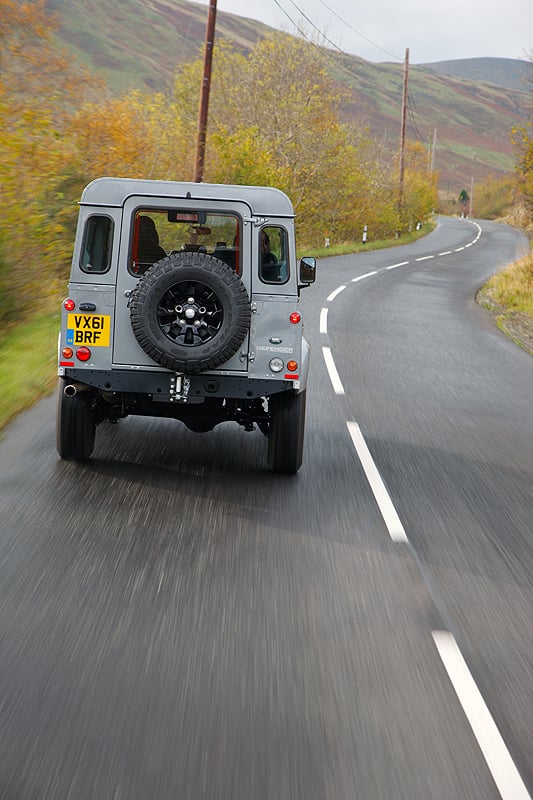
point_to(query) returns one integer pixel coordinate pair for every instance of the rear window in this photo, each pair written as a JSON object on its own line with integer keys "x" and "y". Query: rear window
{"x": 274, "y": 254}
{"x": 97, "y": 244}
{"x": 157, "y": 234}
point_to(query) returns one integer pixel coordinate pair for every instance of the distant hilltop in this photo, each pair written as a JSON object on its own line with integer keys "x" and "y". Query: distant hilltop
{"x": 510, "y": 73}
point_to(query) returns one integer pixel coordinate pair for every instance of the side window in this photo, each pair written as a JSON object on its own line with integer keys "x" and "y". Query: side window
{"x": 97, "y": 244}
{"x": 274, "y": 255}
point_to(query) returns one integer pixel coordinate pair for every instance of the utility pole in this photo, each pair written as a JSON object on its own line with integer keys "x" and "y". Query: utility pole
{"x": 204, "y": 94}
{"x": 471, "y": 197}
{"x": 403, "y": 128}
{"x": 433, "y": 148}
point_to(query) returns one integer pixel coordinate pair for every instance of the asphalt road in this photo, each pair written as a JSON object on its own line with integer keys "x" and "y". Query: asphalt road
{"x": 176, "y": 622}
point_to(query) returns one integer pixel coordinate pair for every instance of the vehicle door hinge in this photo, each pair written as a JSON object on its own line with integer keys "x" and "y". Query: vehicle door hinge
{"x": 253, "y": 307}
{"x": 256, "y": 220}
{"x": 247, "y": 356}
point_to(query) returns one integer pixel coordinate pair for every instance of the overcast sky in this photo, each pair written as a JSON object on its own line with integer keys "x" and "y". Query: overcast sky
{"x": 380, "y": 30}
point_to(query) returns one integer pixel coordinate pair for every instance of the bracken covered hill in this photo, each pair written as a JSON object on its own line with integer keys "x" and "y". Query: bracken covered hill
{"x": 468, "y": 106}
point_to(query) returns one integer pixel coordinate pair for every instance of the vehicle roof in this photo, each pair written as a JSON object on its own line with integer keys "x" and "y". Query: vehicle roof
{"x": 115, "y": 191}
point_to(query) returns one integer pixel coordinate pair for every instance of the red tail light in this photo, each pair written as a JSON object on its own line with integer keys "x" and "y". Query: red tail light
{"x": 83, "y": 353}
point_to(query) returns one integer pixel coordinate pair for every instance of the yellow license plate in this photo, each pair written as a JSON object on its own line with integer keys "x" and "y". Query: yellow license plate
{"x": 90, "y": 329}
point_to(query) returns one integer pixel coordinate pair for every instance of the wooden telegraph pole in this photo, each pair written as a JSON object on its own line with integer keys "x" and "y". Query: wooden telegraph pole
{"x": 403, "y": 128}
{"x": 204, "y": 94}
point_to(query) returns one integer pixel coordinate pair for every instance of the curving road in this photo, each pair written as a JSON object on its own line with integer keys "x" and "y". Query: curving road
{"x": 176, "y": 622}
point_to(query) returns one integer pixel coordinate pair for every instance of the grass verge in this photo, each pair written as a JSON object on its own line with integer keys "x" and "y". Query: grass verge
{"x": 28, "y": 364}
{"x": 512, "y": 288}
{"x": 508, "y": 296}
{"x": 345, "y": 248}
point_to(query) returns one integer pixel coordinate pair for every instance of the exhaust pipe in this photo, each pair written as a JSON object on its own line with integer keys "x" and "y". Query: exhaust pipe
{"x": 73, "y": 388}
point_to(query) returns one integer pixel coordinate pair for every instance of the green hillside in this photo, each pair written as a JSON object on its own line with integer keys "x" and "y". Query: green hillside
{"x": 139, "y": 43}
{"x": 509, "y": 73}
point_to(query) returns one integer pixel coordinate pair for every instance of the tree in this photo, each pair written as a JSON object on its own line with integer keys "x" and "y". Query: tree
{"x": 275, "y": 118}
{"x": 522, "y": 138}
{"x": 39, "y": 87}
{"x": 133, "y": 136}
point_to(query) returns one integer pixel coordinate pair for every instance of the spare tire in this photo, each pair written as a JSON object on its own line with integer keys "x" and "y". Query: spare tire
{"x": 190, "y": 312}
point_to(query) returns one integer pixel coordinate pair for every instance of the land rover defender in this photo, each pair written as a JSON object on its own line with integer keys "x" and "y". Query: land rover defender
{"x": 183, "y": 303}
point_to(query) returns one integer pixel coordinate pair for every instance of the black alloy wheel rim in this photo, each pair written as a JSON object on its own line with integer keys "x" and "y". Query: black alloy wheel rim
{"x": 190, "y": 313}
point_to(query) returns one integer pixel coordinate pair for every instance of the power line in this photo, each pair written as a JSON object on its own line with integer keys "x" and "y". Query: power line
{"x": 323, "y": 50}
{"x": 310, "y": 21}
{"x": 413, "y": 111}
{"x": 413, "y": 120}
{"x": 410, "y": 111}
{"x": 332, "y": 11}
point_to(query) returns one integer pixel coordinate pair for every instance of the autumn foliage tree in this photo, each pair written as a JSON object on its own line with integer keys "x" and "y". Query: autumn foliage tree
{"x": 275, "y": 119}
{"x": 39, "y": 88}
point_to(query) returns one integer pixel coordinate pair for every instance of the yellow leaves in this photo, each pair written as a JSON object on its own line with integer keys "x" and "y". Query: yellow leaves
{"x": 240, "y": 158}
{"x": 274, "y": 119}
{"x": 131, "y": 136}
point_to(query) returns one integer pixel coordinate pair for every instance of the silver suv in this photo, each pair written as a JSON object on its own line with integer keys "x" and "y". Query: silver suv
{"x": 183, "y": 303}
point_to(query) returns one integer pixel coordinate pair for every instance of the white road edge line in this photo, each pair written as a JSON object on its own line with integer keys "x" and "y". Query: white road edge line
{"x": 401, "y": 264}
{"x": 324, "y": 320}
{"x": 366, "y": 275}
{"x": 501, "y": 765}
{"x": 334, "y": 294}
{"x": 446, "y": 253}
{"x": 336, "y": 382}
{"x": 458, "y": 249}
{"x": 388, "y": 512}
{"x": 424, "y": 258}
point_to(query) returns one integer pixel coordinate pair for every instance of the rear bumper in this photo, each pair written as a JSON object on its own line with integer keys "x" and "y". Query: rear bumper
{"x": 159, "y": 385}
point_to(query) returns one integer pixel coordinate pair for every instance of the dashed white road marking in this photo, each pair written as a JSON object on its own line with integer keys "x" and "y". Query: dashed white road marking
{"x": 497, "y": 757}
{"x": 334, "y": 377}
{"x": 366, "y": 275}
{"x": 388, "y": 512}
{"x": 499, "y": 761}
{"x": 394, "y": 266}
{"x": 334, "y": 294}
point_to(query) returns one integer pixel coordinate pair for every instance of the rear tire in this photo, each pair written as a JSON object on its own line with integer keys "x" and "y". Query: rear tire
{"x": 286, "y": 433}
{"x": 75, "y": 425}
